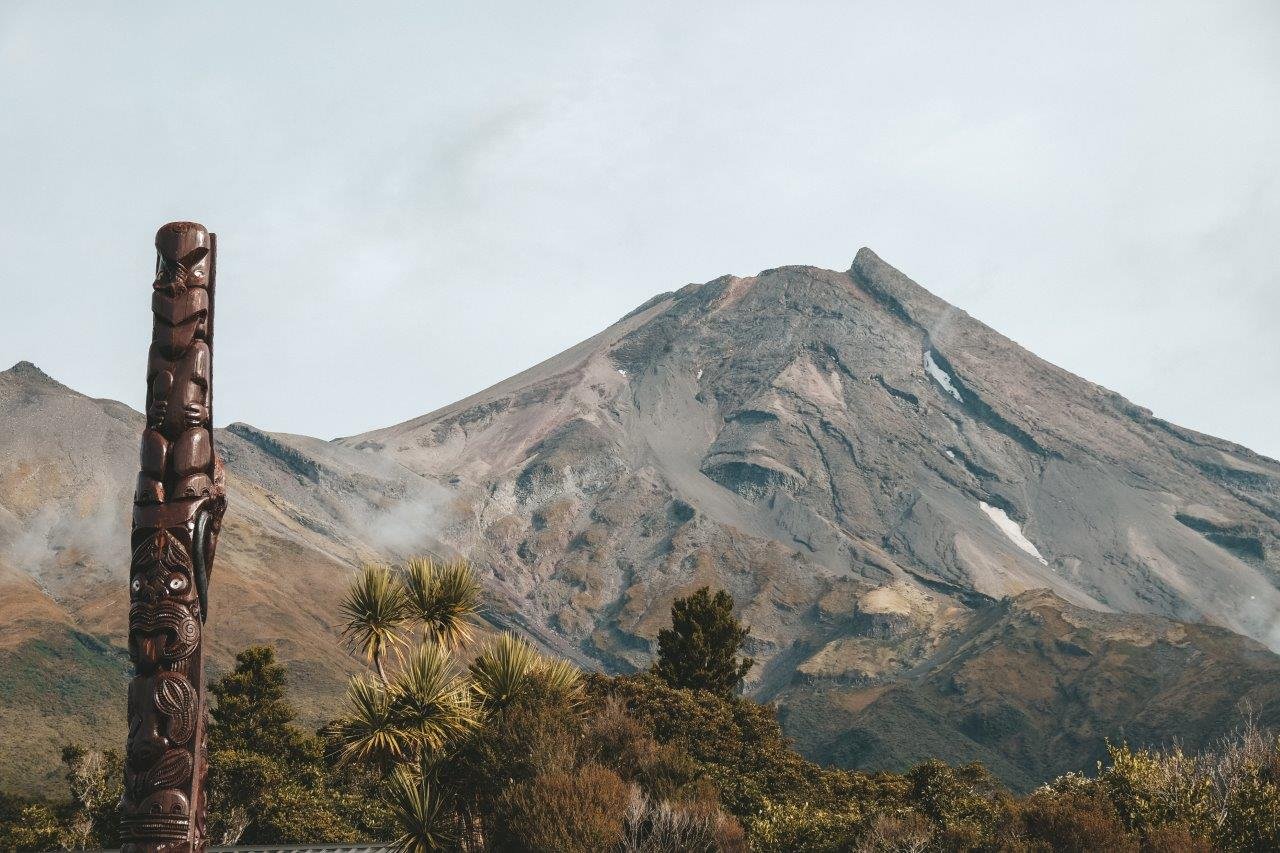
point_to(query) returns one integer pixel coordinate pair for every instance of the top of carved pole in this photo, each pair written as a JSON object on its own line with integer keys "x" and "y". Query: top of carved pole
{"x": 179, "y": 376}
{"x": 187, "y": 243}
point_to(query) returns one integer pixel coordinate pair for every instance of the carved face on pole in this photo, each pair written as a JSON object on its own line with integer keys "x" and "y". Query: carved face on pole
{"x": 164, "y": 611}
{"x": 178, "y": 508}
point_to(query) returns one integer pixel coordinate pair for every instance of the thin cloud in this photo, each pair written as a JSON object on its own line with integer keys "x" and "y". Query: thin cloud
{"x": 416, "y": 204}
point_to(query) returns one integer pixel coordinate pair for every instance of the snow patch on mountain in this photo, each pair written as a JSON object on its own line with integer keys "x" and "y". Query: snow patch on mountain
{"x": 1011, "y": 530}
{"x": 941, "y": 376}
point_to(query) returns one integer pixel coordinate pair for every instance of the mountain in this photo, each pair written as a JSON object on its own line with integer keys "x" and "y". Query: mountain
{"x": 943, "y": 544}
{"x": 304, "y": 514}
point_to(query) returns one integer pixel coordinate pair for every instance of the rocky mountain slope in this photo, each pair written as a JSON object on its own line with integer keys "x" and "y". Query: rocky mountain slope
{"x": 1030, "y": 686}
{"x": 807, "y": 434}
{"x": 870, "y": 472}
{"x": 304, "y": 514}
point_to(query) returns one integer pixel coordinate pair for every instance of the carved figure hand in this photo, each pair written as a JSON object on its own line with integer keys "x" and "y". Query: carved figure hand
{"x": 195, "y": 414}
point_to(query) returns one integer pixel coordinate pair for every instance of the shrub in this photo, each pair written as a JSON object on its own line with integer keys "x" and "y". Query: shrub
{"x": 903, "y": 832}
{"x": 537, "y": 733}
{"x": 1245, "y": 768}
{"x": 1226, "y": 797}
{"x": 966, "y": 802}
{"x": 1074, "y": 822}
{"x": 615, "y": 739}
{"x": 1176, "y": 838}
{"x": 30, "y": 827}
{"x": 580, "y": 811}
{"x": 734, "y": 743}
{"x": 96, "y": 781}
{"x": 1252, "y": 811}
{"x": 255, "y": 799}
{"x": 1153, "y": 789}
{"x": 782, "y": 827}
{"x": 698, "y": 826}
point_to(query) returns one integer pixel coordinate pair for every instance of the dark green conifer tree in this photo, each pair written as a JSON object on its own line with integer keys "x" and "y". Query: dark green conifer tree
{"x": 268, "y": 779}
{"x": 700, "y": 649}
{"x": 254, "y": 715}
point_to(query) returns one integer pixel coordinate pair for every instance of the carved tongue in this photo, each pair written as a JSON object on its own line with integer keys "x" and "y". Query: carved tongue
{"x": 149, "y": 648}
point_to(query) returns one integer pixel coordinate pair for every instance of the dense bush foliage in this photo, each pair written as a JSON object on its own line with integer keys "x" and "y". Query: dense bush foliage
{"x": 269, "y": 779}
{"x": 516, "y": 751}
{"x": 575, "y": 811}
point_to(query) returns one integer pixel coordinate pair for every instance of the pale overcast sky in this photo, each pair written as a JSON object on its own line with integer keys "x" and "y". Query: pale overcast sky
{"x": 417, "y": 200}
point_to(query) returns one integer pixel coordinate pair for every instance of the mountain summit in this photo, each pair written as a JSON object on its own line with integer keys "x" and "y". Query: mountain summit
{"x": 806, "y": 433}
{"x": 943, "y": 544}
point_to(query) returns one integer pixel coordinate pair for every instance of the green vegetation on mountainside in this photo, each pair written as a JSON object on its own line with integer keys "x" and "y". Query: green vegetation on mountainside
{"x": 517, "y": 751}
{"x": 58, "y": 687}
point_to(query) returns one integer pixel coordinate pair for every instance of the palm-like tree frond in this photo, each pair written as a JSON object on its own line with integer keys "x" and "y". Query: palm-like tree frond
{"x": 429, "y": 699}
{"x": 562, "y": 677}
{"x": 510, "y": 665}
{"x": 501, "y": 671}
{"x": 424, "y": 821}
{"x": 445, "y": 596}
{"x": 369, "y": 732}
{"x": 374, "y": 608}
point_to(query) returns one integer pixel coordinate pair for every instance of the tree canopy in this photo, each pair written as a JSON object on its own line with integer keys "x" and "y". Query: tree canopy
{"x": 700, "y": 649}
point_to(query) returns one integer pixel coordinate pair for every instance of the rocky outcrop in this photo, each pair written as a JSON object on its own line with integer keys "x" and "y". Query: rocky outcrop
{"x": 1031, "y": 686}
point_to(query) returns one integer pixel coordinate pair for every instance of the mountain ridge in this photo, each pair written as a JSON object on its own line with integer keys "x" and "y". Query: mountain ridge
{"x": 870, "y": 471}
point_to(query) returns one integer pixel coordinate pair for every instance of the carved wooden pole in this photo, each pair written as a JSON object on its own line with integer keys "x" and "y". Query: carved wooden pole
{"x": 177, "y": 513}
